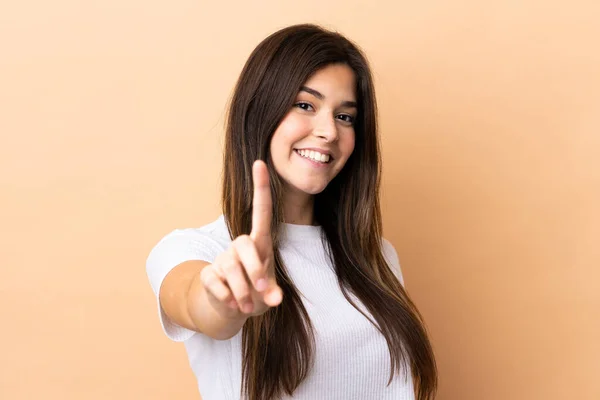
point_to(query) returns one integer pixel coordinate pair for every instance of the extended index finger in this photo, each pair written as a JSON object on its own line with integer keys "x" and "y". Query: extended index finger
{"x": 262, "y": 205}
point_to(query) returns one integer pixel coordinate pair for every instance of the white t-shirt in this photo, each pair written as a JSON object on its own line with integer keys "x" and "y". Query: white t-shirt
{"x": 351, "y": 359}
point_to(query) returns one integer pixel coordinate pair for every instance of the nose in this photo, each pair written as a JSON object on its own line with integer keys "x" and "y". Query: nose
{"x": 326, "y": 128}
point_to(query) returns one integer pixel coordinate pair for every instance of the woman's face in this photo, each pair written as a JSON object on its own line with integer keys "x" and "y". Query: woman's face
{"x": 315, "y": 139}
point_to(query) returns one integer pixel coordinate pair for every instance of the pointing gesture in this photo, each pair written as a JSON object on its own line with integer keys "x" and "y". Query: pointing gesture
{"x": 242, "y": 279}
{"x": 262, "y": 209}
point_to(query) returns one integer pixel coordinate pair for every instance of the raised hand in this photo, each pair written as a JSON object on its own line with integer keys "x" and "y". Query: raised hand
{"x": 241, "y": 281}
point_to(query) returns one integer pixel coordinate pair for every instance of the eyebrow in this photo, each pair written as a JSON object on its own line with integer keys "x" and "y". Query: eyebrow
{"x": 320, "y": 96}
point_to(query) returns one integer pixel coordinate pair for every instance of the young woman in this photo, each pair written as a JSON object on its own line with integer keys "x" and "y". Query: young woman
{"x": 293, "y": 292}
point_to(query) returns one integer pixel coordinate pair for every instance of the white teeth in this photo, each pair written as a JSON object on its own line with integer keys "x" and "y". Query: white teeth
{"x": 314, "y": 155}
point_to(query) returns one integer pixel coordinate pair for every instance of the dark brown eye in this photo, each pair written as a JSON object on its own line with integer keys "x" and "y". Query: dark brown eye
{"x": 346, "y": 118}
{"x": 303, "y": 106}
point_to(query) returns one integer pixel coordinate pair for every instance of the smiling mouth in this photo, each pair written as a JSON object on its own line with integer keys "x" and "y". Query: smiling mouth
{"x": 314, "y": 156}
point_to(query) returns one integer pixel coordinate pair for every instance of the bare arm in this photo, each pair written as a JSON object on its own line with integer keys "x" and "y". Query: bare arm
{"x": 184, "y": 300}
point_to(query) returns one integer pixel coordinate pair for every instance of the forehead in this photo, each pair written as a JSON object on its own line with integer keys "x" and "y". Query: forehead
{"x": 337, "y": 81}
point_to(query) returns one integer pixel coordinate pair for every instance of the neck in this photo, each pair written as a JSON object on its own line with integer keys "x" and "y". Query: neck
{"x": 298, "y": 208}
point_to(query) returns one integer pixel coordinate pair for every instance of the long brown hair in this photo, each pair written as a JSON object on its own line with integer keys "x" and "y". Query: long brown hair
{"x": 278, "y": 346}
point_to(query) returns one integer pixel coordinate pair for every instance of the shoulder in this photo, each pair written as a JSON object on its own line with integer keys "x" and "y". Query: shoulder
{"x": 214, "y": 232}
{"x": 184, "y": 244}
{"x": 391, "y": 256}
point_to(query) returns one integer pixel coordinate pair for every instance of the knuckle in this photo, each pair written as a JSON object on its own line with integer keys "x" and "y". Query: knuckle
{"x": 253, "y": 270}
{"x": 241, "y": 242}
{"x": 229, "y": 266}
{"x": 242, "y": 238}
{"x": 242, "y": 292}
{"x": 216, "y": 268}
{"x": 217, "y": 295}
{"x": 220, "y": 258}
{"x": 223, "y": 297}
{"x": 204, "y": 271}
{"x": 207, "y": 277}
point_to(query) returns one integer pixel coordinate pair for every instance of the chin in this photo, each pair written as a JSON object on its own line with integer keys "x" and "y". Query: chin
{"x": 310, "y": 189}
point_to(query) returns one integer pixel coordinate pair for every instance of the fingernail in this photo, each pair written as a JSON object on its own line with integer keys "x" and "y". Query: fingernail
{"x": 261, "y": 284}
{"x": 233, "y": 304}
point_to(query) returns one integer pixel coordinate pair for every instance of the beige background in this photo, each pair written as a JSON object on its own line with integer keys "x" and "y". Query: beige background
{"x": 111, "y": 132}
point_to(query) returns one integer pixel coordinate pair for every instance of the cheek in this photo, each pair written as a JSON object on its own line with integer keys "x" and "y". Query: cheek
{"x": 292, "y": 128}
{"x": 289, "y": 131}
{"x": 348, "y": 144}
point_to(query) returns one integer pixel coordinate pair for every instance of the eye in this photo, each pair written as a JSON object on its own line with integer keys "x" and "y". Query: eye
{"x": 304, "y": 106}
{"x": 346, "y": 118}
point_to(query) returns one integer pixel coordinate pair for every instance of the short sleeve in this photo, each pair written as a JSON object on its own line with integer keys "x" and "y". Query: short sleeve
{"x": 392, "y": 258}
{"x": 173, "y": 249}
